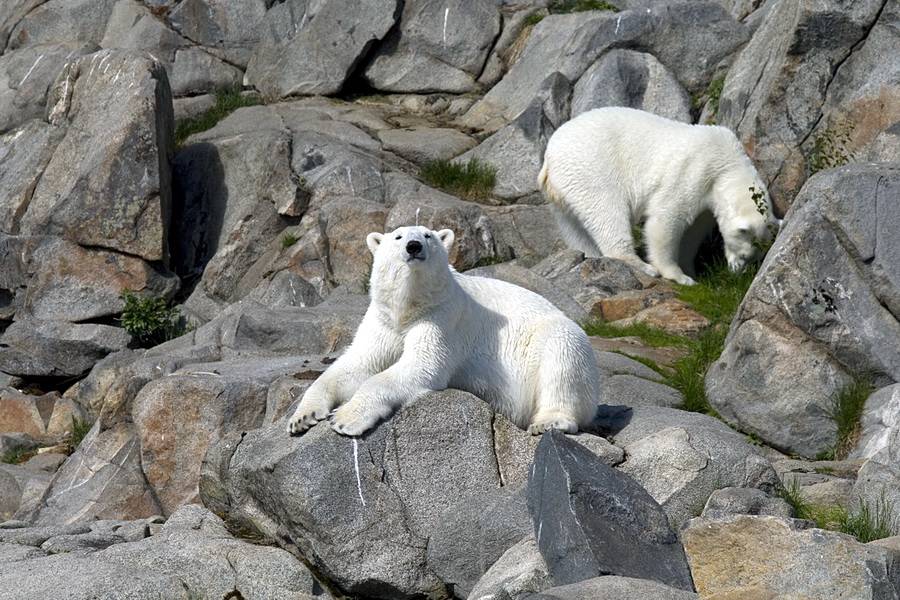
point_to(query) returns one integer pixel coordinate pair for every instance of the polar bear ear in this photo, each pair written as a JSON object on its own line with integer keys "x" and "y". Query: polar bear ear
{"x": 446, "y": 236}
{"x": 373, "y": 240}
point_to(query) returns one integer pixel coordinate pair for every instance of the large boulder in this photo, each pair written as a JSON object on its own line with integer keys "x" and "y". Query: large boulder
{"x": 311, "y": 48}
{"x": 681, "y": 458}
{"x": 439, "y": 47}
{"x": 612, "y": 586}
{"x": 690, "y": 38}
{"x": 877, "y": 485}
{"x": 590, "y": 520}
{"x": 633, "y": 79}
{"x": 57, "y": 21}
{"x": 822, "y": 309}
{"x": 346, "y": 504}
{"x": 774, "y": 93}
{"x": 191, "y": 555}
{"x": 24, "y": 153}
{"x": 117, "y": 194}
{"x": 747, "y": 557}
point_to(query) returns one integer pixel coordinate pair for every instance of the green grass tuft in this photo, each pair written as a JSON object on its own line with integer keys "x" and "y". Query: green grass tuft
{"x": 150, "y": 321}
{"x": 288, "y": 240}
{"x": 718, "y": 292}
{"x": 571, "y": 6}
{"x": 473, "y": 180}
{"x": 689, "y": 377}
{"x": 714, "y": 93}
{"x": 847, "y": 409}
{"x": 16, "y": 456}
{"x": 487, "y": 261}
{"x": 534, "y": 18}
{"x": 79, "y": 430}
{"x": 867, "y": 524}
{"x": 227, "y": 101}
{"x": 651, "y": 336}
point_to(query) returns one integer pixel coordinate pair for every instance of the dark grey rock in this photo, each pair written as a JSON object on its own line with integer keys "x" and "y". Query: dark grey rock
{"x": 229, "y": 29}
{"x": 62, "y": 21}
{"x": 590, "y": 519}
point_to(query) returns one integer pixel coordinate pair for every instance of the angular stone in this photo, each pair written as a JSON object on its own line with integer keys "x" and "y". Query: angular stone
{"x": 132, "y": 25}
{"x": 672, "y": 316}
{"x": 26, "y": 76}
{"x": 681, "y": 458}
{"x": 309, "y": 48}
{"x": 633, "y": 79}
{"x": 746, "y": 556}
{"x": 230, "y": 29}
{"x": 519, "y": 572}
{"x": 116, "y": 195}
{"x": 424, "y": 144}
{"x": 196, "y": 71}
{"x": 55, "y": 348}
{"x": 437, "y": 47}
{"x": 517, "y": 150}
{"x": 629, "y": 390}
{"x": 11, "y": 12}
{"x": 590, "y": 519}
{"x": 24, "y": 153}
{"x": 62, "y": 21}
{"x": 880, "y": 422}
{"x": 745, "y": 501}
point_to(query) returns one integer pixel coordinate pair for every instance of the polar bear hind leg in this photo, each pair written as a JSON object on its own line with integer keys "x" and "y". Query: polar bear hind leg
{"x": 567, "y": 386}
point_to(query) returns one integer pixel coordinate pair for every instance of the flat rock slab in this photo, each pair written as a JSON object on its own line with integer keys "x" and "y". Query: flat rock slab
{"x": 590, "y": 519}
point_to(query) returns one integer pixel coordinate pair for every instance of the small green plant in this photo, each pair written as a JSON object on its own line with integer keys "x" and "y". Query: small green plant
{"x": 846, "y": 411}
{"x": 288, "y": 240}
{"x": 713, "y": 95}
{"x": 227, "y": 101}
{"x": 534, "y": 18}
{"x": 473, "y": 180}
{"x": 16, "y": 456}
{"x": 867, "y": 524}
{"x": 762, "y": 207}
{"x": 150, "y": 321}
{"x": 80, "y": 429}
{"x": 830, "y": 149}
{"x": 571, "y": 6}
{"x": 689, "y": 377}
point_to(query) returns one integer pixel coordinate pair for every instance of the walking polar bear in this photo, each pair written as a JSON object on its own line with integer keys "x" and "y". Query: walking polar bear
{"x": 609, "y": 168}
{"x": 429, "y": 328}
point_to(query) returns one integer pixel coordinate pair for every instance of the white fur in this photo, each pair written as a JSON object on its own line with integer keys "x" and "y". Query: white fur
{"x": 430, "y": 328}
{"x": 610, "y": 168}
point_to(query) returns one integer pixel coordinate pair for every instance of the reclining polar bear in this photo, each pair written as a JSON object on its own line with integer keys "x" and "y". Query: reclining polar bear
{"x": 609, "y": 168}
{"x": 430, "y": 328}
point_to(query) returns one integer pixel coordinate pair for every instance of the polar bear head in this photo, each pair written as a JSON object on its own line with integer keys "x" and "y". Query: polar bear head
{"x": 749, "y": 222}
{"x": 409, "y": 252}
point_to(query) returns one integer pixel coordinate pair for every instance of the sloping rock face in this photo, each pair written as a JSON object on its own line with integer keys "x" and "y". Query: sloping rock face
{"x": 805, "y": 72}
{"x": 877, "y": 484}
{"x": 191, "y": 554}
{"x": 379, "y": 496}
{"x": 823, "y": 308}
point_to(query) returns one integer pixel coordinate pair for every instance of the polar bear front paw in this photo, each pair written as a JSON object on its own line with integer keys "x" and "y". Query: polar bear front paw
{"x": 561, "y": 423}
{"x": 306, "y": 415}
{"x": 684, "y": 280}
{"x": 351, "y": 421}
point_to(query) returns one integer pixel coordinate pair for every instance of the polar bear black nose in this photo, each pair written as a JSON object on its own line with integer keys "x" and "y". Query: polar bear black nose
{"x": 413, "y": 247}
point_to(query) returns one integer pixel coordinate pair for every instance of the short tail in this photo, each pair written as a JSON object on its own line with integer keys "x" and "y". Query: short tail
{"x": 544, "y": 185}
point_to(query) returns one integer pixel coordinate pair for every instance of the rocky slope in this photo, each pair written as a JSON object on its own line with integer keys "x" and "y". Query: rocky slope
{"x": 132, "y": 471}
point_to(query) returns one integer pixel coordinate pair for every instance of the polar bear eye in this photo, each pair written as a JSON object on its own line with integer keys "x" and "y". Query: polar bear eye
{"x": 398, "y": 237}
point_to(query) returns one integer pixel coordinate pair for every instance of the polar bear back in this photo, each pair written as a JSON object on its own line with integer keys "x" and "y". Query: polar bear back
{"x": 638, "y": 156}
